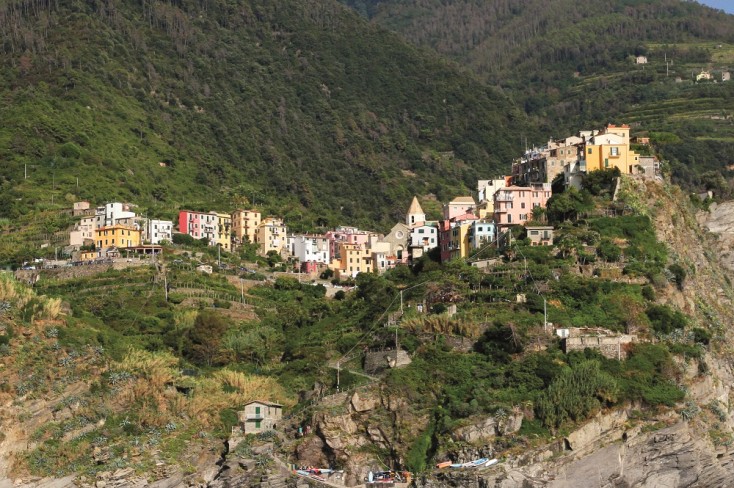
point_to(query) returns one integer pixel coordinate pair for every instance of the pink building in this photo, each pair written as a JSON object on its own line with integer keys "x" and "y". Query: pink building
{"x": 514, "y": 205}
{"x": 199, "y": 224}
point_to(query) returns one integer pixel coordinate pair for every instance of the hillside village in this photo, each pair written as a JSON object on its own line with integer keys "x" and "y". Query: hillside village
{"x": 529, "y": 306}
{"x": 467, "y": 225}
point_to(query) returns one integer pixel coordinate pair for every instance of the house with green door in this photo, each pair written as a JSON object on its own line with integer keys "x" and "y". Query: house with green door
{"x": 259, "y": 416}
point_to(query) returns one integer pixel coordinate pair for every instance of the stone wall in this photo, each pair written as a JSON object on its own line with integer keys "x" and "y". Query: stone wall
{"x": 67, "y": 273}
{"x": 612, "y": 347}
{"x": 374, "y": 362}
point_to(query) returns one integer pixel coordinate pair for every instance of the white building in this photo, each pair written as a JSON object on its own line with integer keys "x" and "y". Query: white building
{"x": 110, "y": 213}
{"x": 309, "y": 248}
{"x": 487, "y": 188}
{"x": 425, "y": 236}
{"x": 481, "y": 233}
{"x": 156, "y": 231}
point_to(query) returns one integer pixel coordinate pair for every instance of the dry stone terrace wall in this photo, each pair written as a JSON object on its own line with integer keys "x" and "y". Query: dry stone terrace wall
{"x": 611, "y": 347}
{"x": 73, "y": 272}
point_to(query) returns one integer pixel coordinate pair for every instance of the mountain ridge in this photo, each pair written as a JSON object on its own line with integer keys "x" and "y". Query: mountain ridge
{"x": 572, "y": 68}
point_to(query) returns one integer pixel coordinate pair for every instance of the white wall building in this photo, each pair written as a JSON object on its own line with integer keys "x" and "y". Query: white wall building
{"x": 309, "y": 248}
{"x": 110, "y": 213}
{"x": 487, "y": 188}
{"x": 156, "y": 231}
{"x": 425, "y": 236}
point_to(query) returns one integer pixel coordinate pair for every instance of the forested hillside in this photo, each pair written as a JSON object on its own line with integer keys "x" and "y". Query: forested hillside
{"x": 573, "y": 66}
{"x": 300, "y": 106}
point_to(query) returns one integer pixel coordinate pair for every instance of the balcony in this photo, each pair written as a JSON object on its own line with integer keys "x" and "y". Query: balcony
{"x": 504, "y": 197}
{"x": 254, "y": 416}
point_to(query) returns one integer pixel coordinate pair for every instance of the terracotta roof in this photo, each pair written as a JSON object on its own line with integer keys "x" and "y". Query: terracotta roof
{"x": 415, "y": 207}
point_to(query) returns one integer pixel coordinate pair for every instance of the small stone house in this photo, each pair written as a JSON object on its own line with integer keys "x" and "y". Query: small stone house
{"x": 703, "y": 75}
{"x": 259, "y": 416}
{"x": 540, "y": 235}
{"x": 375, "y": 362}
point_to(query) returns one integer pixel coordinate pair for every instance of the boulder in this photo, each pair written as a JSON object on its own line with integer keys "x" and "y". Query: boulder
{"x": 311, "y": 452}
{"x": 481, "y": 430}
{"x": 363, "y": 404}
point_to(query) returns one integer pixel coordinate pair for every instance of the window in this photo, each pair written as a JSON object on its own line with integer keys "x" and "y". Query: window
{"x": 606, "y": 163}
{"x": 257, "y": 424}
{"x": 509, "y": 218}
{"x": 420, "y": 231}
{"x": 614, "y": 151}
{"x": 533, "y": 232}
{"x": 522, "y": 205}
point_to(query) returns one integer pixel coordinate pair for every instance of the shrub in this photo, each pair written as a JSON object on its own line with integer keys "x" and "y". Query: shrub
{"x": 70, "y": 150}
{"x": 609, "y": 251}
{"x": 648, "y": 293}
{"x": 416, "y": 457}
{"x": 701, "y": 335}
{"x": 184, "y": 239}
{"x": 679, "y": 275}
{"x": 575, "y": 393}
{"x": 664, "y": 320}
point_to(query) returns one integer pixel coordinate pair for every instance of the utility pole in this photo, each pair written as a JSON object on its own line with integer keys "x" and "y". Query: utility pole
{"x": 545, "y": 315}
{"x": 165, "y": 284}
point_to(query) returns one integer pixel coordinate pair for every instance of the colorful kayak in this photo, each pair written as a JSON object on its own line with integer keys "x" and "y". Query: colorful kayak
{"x": 444, "y": 464}
{"x": 470, "y": 464}
{"x": 478, "y": 462}
{"x": 491, "y": 462}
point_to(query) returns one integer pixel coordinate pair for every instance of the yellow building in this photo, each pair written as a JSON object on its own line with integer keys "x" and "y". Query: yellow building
{"x": 460, "y": 246}
{"x": 354, "y": 259}
{"x": 224, "y": 231}
{"x": 271, "y": 235}
{"x": 245, "y": 224}
{"x": 611, "y": 149}
{"x": 117, "y": 235}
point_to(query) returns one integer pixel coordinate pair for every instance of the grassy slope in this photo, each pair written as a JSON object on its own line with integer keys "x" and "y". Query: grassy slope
{"x": 300, "y": 106}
